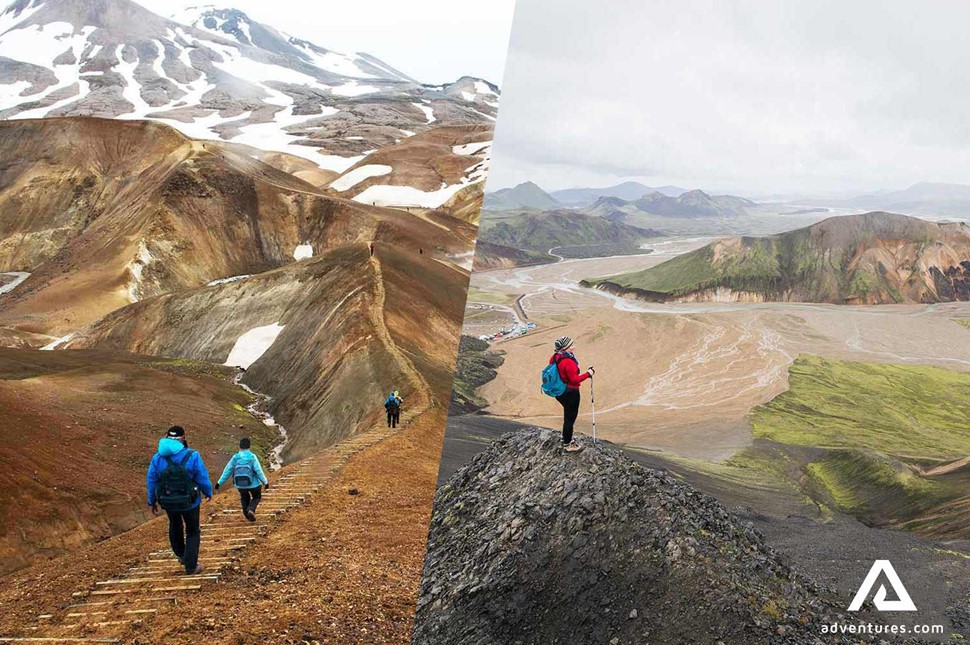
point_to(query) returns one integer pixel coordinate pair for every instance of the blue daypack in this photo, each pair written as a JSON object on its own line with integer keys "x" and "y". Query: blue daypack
{"x": 552, "y": 383}
{"x": 243, "y": 473}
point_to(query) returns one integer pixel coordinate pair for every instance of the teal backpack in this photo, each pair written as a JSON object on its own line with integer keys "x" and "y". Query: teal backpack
{"x": 552, "y": 383}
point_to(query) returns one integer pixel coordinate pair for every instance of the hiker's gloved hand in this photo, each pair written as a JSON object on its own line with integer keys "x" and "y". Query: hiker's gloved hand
{"x": 217, "y": 486}
{"x": 591, "y": 371}
{"x": 154, "y": 508}
{"x": 266, "y": 485}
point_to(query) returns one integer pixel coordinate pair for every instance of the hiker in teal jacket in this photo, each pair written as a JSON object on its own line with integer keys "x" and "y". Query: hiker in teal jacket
{"x": 180, "y": 497}
{"x": 247, "y": 475}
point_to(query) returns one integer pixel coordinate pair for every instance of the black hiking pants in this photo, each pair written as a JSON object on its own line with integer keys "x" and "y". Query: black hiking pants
{"x": 393, "y": 418}
{"x": 183, "y": 535}
{"x": 250, "y": 498}
{"x": 570, "y": 410}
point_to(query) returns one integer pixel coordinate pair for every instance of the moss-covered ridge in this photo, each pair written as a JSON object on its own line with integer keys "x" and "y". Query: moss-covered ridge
{"x": 873, "y": 258}
{"x": 874, "y": 441}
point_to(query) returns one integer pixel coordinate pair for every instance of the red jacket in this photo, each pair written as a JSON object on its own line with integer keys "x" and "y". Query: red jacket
{"x": 569, "y": 369}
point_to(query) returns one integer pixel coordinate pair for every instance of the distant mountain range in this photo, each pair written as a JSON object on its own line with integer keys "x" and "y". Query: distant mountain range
{"x": 919, "y": 199}
{"x": 629, "y": 191}
{"x": 873, "y": 258}
{"x": 629, "y": 197}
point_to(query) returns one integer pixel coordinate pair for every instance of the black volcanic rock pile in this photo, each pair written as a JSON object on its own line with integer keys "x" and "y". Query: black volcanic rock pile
{"x": 532, "y": 545}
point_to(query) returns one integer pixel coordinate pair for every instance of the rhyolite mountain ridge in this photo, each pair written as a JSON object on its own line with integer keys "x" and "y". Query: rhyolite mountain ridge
{"x": 185, "y": 197}
{"x": 872, "y": 258}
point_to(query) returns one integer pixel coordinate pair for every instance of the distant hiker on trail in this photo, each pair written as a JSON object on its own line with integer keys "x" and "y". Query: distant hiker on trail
{"x": 178, "y": 480}
{"x": 247, "y": 477}
{"x": 392, "y": 404}
{"x": 562, "y": 379}
{"x": 372, "y": 249}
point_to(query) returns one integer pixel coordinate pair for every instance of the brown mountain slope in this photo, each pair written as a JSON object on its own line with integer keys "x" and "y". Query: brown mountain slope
{"x": 104, "y": 213}
{"x": 343, "y": 314}
{"x": 74, "y": 459}
{"x": 426, "y": 160}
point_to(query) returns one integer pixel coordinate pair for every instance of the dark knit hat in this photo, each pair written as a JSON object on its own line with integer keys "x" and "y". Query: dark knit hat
{"x": 175, "y": 432}
{"x": 563, "y": 343}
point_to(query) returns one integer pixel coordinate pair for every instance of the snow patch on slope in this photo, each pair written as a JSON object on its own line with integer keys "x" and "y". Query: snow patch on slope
{"x": 18, "y": 278}
{"x": 428, "y": 112}
{"x": 136, "y": 268}
{"x": 470, "y": 149}
{"x": 407, "y": 196}
{"x": 57, "y": 343}
{"x": 253, "y": 344}
{"x": 358, "y": 175}
{"x": 235, "y": 278}
{"x": 303, "y": 252}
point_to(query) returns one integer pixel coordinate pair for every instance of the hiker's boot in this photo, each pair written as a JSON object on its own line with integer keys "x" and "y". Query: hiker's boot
{"x": 194, "y": 572}
{"x": 251, "y": 516}
{"x": 572, "y": 446}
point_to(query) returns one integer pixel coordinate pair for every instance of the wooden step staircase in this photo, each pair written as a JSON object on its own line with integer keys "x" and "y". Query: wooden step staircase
{"x": 102, "y": 613}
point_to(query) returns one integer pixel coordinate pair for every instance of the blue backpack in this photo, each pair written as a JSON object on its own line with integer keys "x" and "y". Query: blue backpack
{"x": 243, "y": 473}
{"x": 552, "y": 383}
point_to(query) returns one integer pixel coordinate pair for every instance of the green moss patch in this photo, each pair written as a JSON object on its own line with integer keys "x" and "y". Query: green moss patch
{"x": 907, "y": 411}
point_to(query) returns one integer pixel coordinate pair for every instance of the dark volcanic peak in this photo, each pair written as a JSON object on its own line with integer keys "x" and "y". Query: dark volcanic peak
{"x": 532, "y": 545}
{"x": 610, "y": 201}
{"x": 693, "y": 203}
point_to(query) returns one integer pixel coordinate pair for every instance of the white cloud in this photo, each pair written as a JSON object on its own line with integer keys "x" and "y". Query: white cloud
{"x": 750, "y": 97}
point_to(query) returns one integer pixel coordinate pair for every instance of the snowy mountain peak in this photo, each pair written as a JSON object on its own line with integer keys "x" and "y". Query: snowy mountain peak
{"x": 223, "y": 22}
{"x": 215, "y": 73}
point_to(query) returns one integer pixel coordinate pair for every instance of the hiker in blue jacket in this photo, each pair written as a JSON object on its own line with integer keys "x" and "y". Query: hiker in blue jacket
{"x": 178, "y": 480}
{"x": 247, "y": 475}
{"x": 392, "y": 405}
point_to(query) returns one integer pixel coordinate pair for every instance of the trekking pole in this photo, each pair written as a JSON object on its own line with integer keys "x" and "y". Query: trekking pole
{"x": 592, "y": 402}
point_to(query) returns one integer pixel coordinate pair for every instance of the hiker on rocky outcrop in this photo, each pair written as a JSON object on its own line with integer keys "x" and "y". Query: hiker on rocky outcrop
{"x": 248, "y": 478}
{"x": 568, "y": 366}
{"x": 177, "y": 481}
{"x": 392, "y": 404}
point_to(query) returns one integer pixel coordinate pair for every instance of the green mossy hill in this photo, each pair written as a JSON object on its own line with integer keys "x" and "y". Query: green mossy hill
{"x": 861, "y": 259}
{"x": 542, "y": 231}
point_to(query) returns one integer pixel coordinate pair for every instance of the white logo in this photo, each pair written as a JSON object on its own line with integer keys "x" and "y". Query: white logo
{"x": 905, "y": 603}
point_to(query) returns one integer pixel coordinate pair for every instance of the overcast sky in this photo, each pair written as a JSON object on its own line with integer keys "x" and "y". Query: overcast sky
{"x": 812, "y": 96}
{"x": 434, "y": 41}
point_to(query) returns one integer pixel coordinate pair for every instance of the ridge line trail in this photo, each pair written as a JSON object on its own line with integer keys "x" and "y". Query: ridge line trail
{"x": 377, "y": 316}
